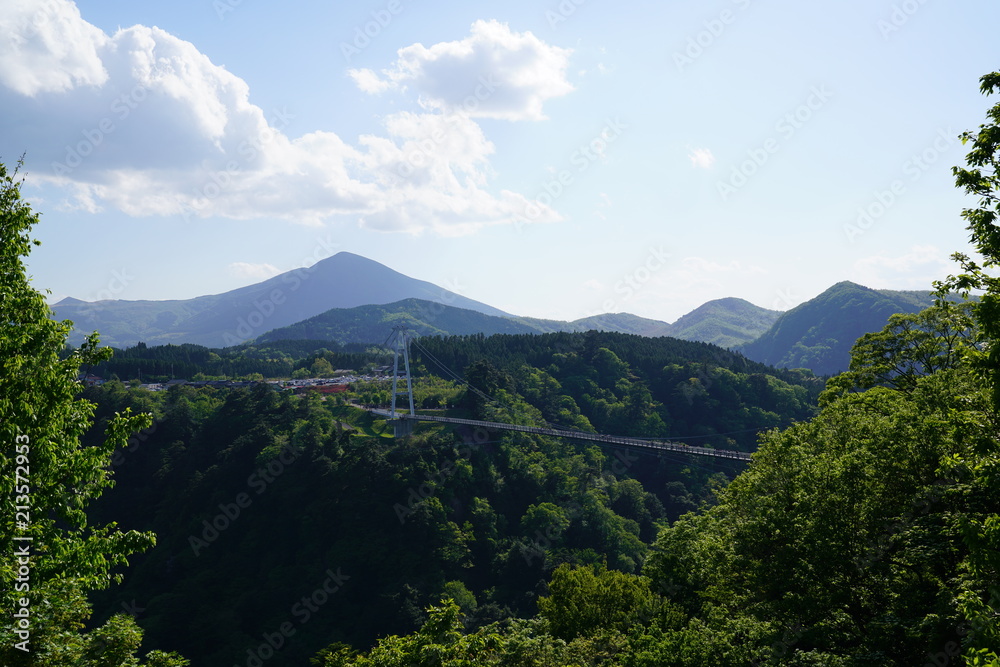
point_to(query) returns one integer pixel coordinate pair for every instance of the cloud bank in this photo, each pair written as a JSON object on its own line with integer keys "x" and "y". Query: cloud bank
{"x": 492, "y": 73}
{"x": 143, "y": 122}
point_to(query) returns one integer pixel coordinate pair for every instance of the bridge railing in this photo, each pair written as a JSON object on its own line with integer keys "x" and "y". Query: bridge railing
{"x": 580, "y": 435}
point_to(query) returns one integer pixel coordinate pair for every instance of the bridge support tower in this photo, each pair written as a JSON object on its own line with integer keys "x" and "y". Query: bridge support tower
{"x": 402, "y": 427}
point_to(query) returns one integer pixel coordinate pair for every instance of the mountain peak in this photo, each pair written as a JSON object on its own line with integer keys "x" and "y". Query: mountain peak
{"x": 343, "y": 280}
{"x": 847, "y": 284}
{"x": 726, "y": 322}
{"x": 818, "y": 334}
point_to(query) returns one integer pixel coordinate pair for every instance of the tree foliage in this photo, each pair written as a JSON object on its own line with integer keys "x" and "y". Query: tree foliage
{"x": 980, "y": 178}
{"x": 632, "y": 385}
{"x": 910, "y": 346}
{"x": 846, "y": 530}
{"x": 480, "y": 517}
{"x": 50, "y": 554}
{"x": 585, "y": 600}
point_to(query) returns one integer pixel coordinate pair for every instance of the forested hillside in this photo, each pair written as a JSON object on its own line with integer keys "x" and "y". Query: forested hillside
{"x": 255, "y": 496}
{"x": 818, "y": 334}
{"x": 369, "y": 324}
{"x": 280, "y": 359}
{"x": 633, "y": 385}
{"x": 865, "y": 536}
{"x": 253, "y": 493}
{"x": 725, "y": 322}
{"x": 864, "y": 531}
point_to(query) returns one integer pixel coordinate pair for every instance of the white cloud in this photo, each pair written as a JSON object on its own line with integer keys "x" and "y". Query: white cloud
{"x": 701, "y": 158}
{"x": 254, "y": 271}
{"x": 492, "y": 73}
{"x": 143, "y": 122}
{"x": 368, "y": 81}
{"x": 47, "y": 47}
{"x": 915, "y": 269}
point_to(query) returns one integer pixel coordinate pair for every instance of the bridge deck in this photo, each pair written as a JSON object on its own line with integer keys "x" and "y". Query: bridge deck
{"x": 656, "y": 445}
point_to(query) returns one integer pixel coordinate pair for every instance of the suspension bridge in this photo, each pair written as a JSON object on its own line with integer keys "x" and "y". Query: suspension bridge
{"x": 403, "y": 421}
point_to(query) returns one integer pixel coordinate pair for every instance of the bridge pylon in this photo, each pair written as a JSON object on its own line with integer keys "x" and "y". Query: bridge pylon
{"x": 401, "y": 427}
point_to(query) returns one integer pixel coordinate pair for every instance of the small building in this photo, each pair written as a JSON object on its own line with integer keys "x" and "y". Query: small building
{"x": 90, "y": 380}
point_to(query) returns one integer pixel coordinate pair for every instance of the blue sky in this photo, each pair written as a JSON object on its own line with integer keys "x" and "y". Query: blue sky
{"x": 556, "y": 159}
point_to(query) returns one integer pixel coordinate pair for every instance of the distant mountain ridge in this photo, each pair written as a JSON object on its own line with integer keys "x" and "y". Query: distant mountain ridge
{"x": 819, "y": 333}
{"x": 371, "y": 323}
{"x": 343, "y": 280}
{"x": 731, "y": 321}
{"x": 340, "y": 282}
{"x": 352, "y": 299}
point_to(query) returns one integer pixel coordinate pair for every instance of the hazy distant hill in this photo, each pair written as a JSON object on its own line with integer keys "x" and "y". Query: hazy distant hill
{"x": 351, "y": 299}
{"x": 372, "y": 323}
{"x": 819, "y": 333}
{"x": 221, "y": 320}
{"x": 624, "y": 323}
{"x": 724, "y": 322}
{"x": 617, "y": 322}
